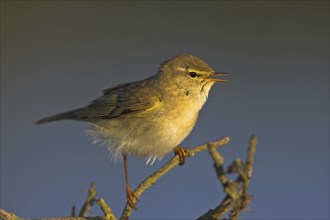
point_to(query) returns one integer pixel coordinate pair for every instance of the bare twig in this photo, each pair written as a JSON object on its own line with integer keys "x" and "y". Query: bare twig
{"x": 85, "y": 209}
{"x": 8, "y": 215}
{"x": 245, "y": 175}
{"x": 237, "y": 198}
{"x": 174, "y": 161}
{"x": 108, "y": 214}
{"x": 218, "y": 165}
{"x": 73, "y": 211}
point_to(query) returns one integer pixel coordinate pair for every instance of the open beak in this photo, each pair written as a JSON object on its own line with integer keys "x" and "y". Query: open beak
{"x": 216, "y": 79}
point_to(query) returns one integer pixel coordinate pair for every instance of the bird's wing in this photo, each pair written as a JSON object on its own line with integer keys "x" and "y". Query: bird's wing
{"x": 115, "y": 87}
{"x": 120, "y": 100}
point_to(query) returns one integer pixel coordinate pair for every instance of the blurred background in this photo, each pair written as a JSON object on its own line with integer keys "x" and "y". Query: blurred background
{"x": 58, "y": 55}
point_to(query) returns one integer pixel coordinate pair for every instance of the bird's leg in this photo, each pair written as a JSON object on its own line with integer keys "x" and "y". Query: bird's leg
{"x": 182, "y": 152}
{"x": 131, "y": 197}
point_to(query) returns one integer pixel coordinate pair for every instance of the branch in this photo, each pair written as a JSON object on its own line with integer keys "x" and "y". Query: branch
{"x": 85, "y": 209}
{"x": 167, "y": 167}
{"x": 5, "y": 215}
{"x": 108, "y": 214}
{"x": 245, "y": 175}
{"x": 237, "y": 198}
{"x": 8, "y": 215}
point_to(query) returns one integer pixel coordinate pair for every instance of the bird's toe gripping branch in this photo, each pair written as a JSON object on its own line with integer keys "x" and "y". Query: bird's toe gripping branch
{"x": 182, "y": 153}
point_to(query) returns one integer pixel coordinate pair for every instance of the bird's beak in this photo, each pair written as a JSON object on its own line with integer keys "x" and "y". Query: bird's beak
{"x": 216, "y": 79}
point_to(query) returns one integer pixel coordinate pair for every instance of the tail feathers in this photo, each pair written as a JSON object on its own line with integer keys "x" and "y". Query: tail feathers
{"x": 57, "y": 117}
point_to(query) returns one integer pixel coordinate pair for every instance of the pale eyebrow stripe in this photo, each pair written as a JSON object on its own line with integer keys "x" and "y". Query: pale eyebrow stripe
{"x": 192, "y": 70}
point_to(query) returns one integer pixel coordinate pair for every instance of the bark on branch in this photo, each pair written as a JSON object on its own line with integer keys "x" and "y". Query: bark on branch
{"x": 238, "y": 197}
{"x": 236, "y": 200}
{"x": 167, "y": 167}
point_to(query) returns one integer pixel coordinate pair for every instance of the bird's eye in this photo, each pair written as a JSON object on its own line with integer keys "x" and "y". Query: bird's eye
{"x": 192, "y": 74}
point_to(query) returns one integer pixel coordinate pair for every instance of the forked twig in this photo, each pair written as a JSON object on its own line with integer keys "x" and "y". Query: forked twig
{"x": 237, "y": 198}
{"x": 173, "y": 162}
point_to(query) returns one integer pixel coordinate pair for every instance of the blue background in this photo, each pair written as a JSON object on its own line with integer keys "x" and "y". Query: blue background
{"x": 58, "y": 55}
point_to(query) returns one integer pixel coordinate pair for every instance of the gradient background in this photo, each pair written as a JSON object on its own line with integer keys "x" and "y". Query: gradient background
{"x": 56, "y": 56}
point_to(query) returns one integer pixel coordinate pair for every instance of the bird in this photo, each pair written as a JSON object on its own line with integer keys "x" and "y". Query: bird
{"x": 151, "y": 117}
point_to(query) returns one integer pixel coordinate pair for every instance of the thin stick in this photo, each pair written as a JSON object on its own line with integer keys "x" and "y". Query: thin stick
{"x": 173, "y": 162}
{"x": 85, "y": 209}
{"x": 108, "y": 214}
{"x": 237, "y": 198}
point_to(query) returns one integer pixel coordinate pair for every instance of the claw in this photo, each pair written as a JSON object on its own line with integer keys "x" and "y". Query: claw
{"x": 131, "y": 197}
{"x": 182, "y": 152}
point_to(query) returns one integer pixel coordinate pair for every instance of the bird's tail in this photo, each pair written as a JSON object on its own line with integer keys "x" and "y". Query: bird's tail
{"x": 62, "y": 116}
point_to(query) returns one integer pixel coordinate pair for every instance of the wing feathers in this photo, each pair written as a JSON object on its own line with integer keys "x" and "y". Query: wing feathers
{"x": 123, "y": 99}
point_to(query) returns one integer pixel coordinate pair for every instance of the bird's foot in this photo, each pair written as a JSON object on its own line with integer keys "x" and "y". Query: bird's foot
{"x": 182, "y": 152}
{"x": 131, "y": 197}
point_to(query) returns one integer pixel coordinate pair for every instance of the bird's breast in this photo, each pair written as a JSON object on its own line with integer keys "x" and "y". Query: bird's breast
{"x": 179, "y": 118}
